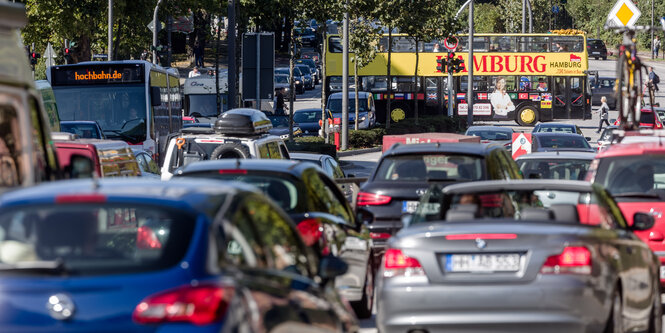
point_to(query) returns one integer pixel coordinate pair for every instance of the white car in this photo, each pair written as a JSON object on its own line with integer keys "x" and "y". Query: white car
{"x": 238, "y": 133}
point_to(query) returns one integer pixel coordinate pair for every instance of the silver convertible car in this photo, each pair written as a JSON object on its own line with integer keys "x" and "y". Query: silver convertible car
{"x": 519, "y": 256}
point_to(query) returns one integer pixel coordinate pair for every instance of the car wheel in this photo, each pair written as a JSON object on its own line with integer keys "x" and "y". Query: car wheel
{"x": 527, "y": 116}
{"x": 363, "y": 307}
{"x": 656, "y": 320}
{"x": 230, "y": 150}
{"x": 615, "y": 323}
{"x": 596, "y": 58}
{"x": 605, "y": 58}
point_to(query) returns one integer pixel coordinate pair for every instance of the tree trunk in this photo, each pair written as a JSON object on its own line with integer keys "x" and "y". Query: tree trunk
{"x": 389, "y": 78}
{"x": 288, "y": 32}
{"x": 324, "y": 84}
{"x": 415, "y": 82}
{"x": 355, "y": 80}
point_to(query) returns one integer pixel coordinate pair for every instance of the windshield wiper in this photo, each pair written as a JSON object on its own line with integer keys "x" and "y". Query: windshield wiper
{"x": 122, "y": 135}
{"x": 55, "y": 267}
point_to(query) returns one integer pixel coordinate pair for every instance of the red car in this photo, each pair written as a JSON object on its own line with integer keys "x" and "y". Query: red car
{"x": 648, "y": 119}
{"x": 634, "y": 174}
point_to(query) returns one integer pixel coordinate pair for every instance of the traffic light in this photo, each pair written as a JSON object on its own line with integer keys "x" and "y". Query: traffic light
{"x": 454, "y": 64}
{"x": 68, "y": 55}
{"x": 439, "y": 64}
{"x": 33, "y": 58}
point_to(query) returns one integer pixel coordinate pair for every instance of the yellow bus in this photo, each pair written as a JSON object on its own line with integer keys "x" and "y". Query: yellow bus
{"x": 522, "y": 77}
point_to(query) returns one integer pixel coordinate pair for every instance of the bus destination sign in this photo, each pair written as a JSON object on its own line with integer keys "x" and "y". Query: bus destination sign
{"x": 97, "y": 74}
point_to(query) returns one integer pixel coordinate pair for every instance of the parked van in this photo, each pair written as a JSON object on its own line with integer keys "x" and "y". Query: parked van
{"x": 50, "y": 106}
{"x": 110, "y": 158}
{"x": 27, "y": 155}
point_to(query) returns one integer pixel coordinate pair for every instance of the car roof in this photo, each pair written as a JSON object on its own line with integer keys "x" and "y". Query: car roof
{"x": 632, "y": 149}
{"x": 555, "y": 125}
{"x": 493, "y": 128}
{"x": 308, "y": 110}
{"x": 519, "y": 184}
{"x": 443, "y": 147}
{"x": 338, "y": 95}
{"x": 556, "y": 134}
{"x": 180, "y": 194}
{"x": 560, "y": 155}
{"x": 271, "y": 165}
{"x": 78, "y": 122}
{"x": 307, "y": 156}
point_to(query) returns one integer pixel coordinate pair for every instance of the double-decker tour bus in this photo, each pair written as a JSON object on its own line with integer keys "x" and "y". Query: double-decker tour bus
{"x": 522, "y": 77}
{"x": 132, "y": 100}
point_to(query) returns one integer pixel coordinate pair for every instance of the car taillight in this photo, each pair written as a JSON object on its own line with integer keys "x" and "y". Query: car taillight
{"x": 372, "y": 199}
{"x": 200, "y": 305}
{"x": 80, "y": 198}
{"x": 397, "y": 264}
{"x": 379, "y": 235}
{"x": 310, "y": 231}
{"x": 573, "y": 260}
{"x": 147, "y": 239}
{"x": 233, "y": 172}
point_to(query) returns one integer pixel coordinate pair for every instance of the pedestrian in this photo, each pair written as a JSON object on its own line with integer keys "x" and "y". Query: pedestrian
{"x": 194, "y": 72}
{"x": 654, "y": 79}
{"x": 656, "y": 45}
{"x": 198, "y": 54}
{"x": 436, "y": 48}
{"x": 144, "y": 54}
{"x": 280, "y": 106}
{"x": 604, "y": 114}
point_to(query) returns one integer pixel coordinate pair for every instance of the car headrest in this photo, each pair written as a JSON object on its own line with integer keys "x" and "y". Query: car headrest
{"x": 536, "y": 214}
{"x": 565, "y": 213}
{"x": 459, "y": 215}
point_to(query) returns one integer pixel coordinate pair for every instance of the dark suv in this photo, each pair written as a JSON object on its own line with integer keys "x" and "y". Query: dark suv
{"x": 405, "y": 172}
{"x": 596, "y": 48}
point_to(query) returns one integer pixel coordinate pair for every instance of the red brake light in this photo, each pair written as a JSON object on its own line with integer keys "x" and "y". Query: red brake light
{"x": 199, "y": 305}
{"x": 310, "y": 231}
{"x": 481, "y": 236}
{"x": 147, "y": 239}
{"x": 379, "y": 235}
{"x": 372, "y": 199}
{"x": 233, "y": 172}
{"x": 80, "y": 198}
{"x": 573, "y": 260}
{"x": 395, "y": 259}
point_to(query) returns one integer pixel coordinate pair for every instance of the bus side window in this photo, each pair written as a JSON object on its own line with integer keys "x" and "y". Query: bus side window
{"x": 335, "y": 45}
{"x": 576, "y": 91}
{"x": 559, "y": 85}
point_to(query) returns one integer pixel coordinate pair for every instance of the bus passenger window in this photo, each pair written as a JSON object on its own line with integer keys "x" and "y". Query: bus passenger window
{"x": 542, "y": 83}
{"x": 559, "y": 95}
{"x": 576, "y": 91}
{"x": 335, "y": 45}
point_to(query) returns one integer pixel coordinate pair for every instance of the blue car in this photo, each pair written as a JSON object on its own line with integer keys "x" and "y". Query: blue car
{"x": 308, "y": 121}
{"x": 149, "y": 256}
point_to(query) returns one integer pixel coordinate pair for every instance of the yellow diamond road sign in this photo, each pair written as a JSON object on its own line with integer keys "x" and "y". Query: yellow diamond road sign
{"x": 623, "y": 14}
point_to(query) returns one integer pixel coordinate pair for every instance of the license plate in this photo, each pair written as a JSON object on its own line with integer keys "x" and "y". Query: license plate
{"x": 483, "y": 263}
{"x": 411, "y": 207}
{"x": 662, "y": 272}
{"x": 595, "y": 52}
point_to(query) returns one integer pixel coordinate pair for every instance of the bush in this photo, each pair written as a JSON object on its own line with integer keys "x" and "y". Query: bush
{"x": 366, "y": 138}
{"x": 428, "y": 124}
{"x": 309, "y": 139}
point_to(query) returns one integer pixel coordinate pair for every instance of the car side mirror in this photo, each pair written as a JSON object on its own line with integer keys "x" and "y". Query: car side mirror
{"x": 588, "y": 138}
{"x": 331, "y": 267}
{"x": 155, "y": 96}
{"x": 80, "y": 167}
{"x": 364, "y": 216}
{"x": 642, "y": 221}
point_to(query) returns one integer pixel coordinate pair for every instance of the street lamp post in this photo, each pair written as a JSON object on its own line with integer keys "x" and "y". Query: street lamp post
{"x": 110, "y": 32}
{"x": 345, "y": 80}
{"x": 154, "y": 32}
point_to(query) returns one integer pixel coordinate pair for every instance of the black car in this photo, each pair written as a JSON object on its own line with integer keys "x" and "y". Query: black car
{"x": 298, "y": 78}
{"x": 405, "y": 172}
{"x": 315, "y": 203}
{"x": 603, "y": 86}
{"x": 308, "y": 121}
{"x": 596, "y": 48}
{"x": 549, "y": 141}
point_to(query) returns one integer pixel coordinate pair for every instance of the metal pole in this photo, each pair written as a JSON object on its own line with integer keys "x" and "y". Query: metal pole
{"x": 528, "y": 5}
{"x": 231, "y": 54}
{"x": 66, "y": 46}
{"x": 450, "y": 94}
{"x": 523, "y": 16}
{"x": 653, "y": 52}
{"x": 110, "y": 32}
{"x": 154, "y": 32}
{"x": 345, "y": 80}
{"x": 469, "y": 66}
{"x": 258, "y": 71}
{"x": 169, "y": 26}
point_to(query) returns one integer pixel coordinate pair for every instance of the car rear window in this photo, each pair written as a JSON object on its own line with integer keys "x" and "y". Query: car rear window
{"x": 491, "y": 135}
{"x": 559, "y": 141}
{"x": 199, "y": 150}
{"x": 647, "y": 117}
{"x": 556, "y": 129}
{"x": 571, "y": 169}
{"x": 307, "y": 116}
{"x": 595, "y": 42}
{"x": 411, "y": 168}
{"x": 92, "y": 239}
{"x": 640, "y": 175}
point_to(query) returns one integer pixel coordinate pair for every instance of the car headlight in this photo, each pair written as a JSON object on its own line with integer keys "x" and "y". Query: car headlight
{"x": 362, "y": 118}
{"x": 298, "y": 82}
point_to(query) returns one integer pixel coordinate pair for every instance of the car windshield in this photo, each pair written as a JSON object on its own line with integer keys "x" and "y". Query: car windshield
{"x": 490, "y": 134}
{"x": 85, "y": 131}
{"x": 120, "y": 112}
{"x": 92, "y": 239}
{"x": 637, "y": 174}
{"x": 531, "y": 205}
{"x": 335, "y": 105}
{"x": 647, "y": 117}
{"x": 307, "y": 116}
{"x": 304, "y": 69}
{"x": 556, "y": 129}
{"x": 607, "y": 134}
{"x": 281, "y": 79}
{"x": 279, "y": 121}
{"x": 559, "y": 141}
{"x": 409, "y": 168}
{"x": 572, "y": 169}
{"x": 282, "y": 190}
{"x": 204, "y": 105}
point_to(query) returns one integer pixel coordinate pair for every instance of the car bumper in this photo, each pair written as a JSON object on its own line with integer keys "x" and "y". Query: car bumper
{"x": 549, "y": 304}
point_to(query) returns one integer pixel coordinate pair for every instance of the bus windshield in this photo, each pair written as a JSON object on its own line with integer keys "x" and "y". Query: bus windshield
{"x": 120, "y": 111}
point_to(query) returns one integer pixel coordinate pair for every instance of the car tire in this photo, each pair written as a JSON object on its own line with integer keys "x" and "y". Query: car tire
{"x": 596, "y": 58}
{"x": 656, "y": 318}
{"x": 527, "y": 116}
{"x": 230, "y": 150}
{"x": 363, "y": 307}
{"x": 605, "y": 58}
{"x": 615, "y": 322}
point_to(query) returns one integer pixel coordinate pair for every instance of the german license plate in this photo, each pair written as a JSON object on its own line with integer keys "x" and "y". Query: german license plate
{"x": 662, "y": 272}
{"x": 483, "y": 263}
{"x": 410, "y": 207}
{"x": 595, "y": 52}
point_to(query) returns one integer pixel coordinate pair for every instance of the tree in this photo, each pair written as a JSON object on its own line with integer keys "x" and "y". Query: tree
{"x": 388, "y": 13}
{"x": 363, "y": 42}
